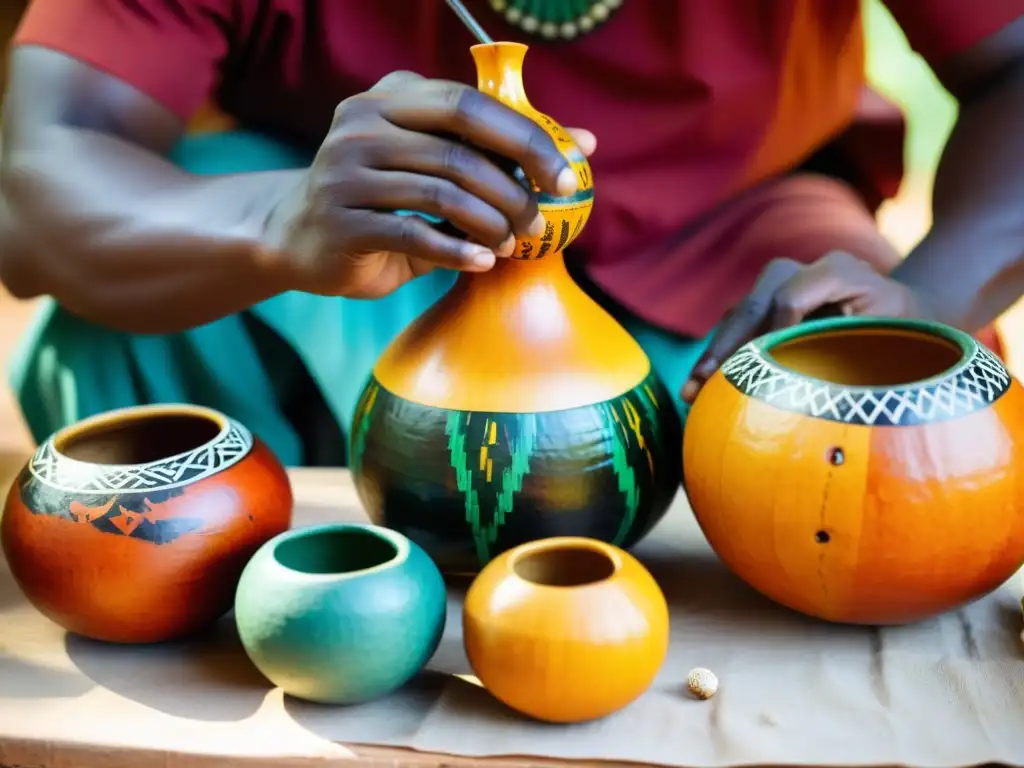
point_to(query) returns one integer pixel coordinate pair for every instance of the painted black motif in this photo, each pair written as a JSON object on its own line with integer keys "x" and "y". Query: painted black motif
{"x": 126, "y": 514}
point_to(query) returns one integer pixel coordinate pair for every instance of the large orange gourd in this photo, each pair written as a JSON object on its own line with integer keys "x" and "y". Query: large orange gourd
{"x": 516, "y": 408}
{"x": 862, "y": 470}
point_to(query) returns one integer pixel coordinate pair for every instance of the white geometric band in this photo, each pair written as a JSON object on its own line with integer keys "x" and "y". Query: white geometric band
{"x": 972, "y": 386}
{"x": 55, "y": 470}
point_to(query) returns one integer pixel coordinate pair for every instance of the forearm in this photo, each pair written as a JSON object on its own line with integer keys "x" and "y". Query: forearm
{"x": 121, "y": 237}
{"x": 971, "y": 263}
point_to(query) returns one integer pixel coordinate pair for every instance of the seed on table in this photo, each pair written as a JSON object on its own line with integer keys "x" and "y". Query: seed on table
{"x": 702, "y": 683}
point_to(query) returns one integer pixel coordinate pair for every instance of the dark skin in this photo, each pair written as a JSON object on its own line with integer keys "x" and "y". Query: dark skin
{"x": 94, "y": 216}
{"x": 97, "y": 218}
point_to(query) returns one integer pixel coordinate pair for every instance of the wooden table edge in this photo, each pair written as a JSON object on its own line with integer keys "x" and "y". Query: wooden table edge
{"x": 31, "y": 753}
{"x": 24, "y": 753}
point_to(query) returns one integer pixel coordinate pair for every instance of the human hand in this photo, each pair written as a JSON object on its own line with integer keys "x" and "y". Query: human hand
{"x": 393, "y": 148}
{"x": 788, "y": 292}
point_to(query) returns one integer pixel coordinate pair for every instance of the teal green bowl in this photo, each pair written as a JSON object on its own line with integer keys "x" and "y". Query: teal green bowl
{"x": 340, "y": 613}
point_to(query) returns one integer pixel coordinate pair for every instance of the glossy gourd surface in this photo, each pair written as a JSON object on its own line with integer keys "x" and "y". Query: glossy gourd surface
{"x": 523, "y": 337}
{"x": 469, "y": 485}
{"x": 565, "y": 629}
{"x": 134, "y": 526}
{"x": 516, "y": 407}
{"x": 862, "y": 470}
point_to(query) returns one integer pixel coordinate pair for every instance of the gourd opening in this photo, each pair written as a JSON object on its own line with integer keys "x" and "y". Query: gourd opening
{"x": 868, "y": 356}
{"x": 334, "y": 551}
{"x": 564, "y": 566}
{"x": 142, "y": 438}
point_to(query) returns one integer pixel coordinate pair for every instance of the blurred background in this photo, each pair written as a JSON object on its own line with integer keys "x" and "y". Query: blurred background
{"x": 892, "y": 68}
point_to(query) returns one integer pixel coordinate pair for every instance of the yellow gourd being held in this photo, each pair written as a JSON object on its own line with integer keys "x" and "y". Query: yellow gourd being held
{"x": 516, "y": 407}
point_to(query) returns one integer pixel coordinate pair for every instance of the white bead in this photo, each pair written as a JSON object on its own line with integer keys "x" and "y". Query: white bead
{"x": 569, "y": 30}
{"x": 513, "y": 15}
{"x": 549, "y": 30}
{"x": 499, "y": 5}
{"x": 599, "y": 12}
{"x": 530, "y": 24}
{"x": 702, "y": 683}
{"x": 586, "y": 23}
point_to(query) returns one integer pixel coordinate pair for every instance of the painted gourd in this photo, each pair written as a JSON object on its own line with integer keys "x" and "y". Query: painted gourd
{"x": 134, "y": 526}
{"x": 516, "y": 408}
{"x": 565, "y": 629}
{"x": 861, "y": 470}
{"x": 340, "y": 613}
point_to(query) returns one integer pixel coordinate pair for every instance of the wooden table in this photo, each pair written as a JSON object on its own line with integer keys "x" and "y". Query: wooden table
{"x": 68, "y": 703}
{"x": 316, "y": 488}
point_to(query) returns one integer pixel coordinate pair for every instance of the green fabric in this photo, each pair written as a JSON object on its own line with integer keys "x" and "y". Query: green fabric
{"x": 66, "y": 369}
{"x": 556, "y": 11}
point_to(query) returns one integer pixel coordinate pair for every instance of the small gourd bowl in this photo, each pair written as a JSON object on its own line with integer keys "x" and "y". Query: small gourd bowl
{"x": 565, "y": 629}
{"x": 862, "y": 470}
{"x": 133, "y": 526}
{"x": 340, "y": 613}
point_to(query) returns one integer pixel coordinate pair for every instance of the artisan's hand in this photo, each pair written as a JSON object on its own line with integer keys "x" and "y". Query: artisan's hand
{"x": 393, "y": 148}
{"x": 788, "y": 292}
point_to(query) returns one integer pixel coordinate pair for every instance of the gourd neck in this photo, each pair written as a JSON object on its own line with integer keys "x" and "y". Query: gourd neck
{"x": 499, "y": 72}
{"x": 515, "y": 274}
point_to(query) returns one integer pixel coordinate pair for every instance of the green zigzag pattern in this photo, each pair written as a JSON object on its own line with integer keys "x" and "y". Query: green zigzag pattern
{"x": 511, "y": 478}
{"x": 650, "y": 411}
{"x": 362, "y": 427}
{"x": 626, "y": 476}
{"x": 486, "y": 534}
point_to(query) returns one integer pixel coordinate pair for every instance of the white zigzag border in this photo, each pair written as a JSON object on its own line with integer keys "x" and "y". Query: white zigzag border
{"x": 972, "y": 386}
{"x": 71, "y": 476}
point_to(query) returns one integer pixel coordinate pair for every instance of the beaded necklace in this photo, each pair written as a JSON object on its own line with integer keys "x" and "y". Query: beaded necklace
{"x": 554, "y": 19}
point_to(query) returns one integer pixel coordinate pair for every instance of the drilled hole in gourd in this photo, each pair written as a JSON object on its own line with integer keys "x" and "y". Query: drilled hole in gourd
{"x": 836, "y": 457}
{"x": 822, "y": 537}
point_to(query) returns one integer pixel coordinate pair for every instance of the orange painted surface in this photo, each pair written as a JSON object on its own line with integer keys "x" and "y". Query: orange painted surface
{"x": 123, "y": 589}
{"x": 558, "y": 650}
{"x": 522, "y": 338}
{"x": 499, "y": 71}
{"x": 918, "y": 519}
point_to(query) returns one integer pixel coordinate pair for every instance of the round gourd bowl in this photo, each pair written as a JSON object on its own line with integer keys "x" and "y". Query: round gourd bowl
{"x": 340, "y": 613}
{"x": 134, "y": 526}
{"x": 565, "y": 629}
{"x": 861, "y": 470}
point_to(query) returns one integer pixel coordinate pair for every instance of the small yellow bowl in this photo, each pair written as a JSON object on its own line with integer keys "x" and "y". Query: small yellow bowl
{"x": 565, "y": 629}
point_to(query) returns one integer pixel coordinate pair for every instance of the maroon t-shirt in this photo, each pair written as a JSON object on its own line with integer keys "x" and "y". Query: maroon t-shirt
{"x": 692, "y": 101}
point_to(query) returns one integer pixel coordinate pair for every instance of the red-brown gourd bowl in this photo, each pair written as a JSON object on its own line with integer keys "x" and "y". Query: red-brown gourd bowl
{"x": 134, "y": 526}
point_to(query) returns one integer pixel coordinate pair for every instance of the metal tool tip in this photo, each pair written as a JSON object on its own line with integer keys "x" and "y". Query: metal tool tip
{"x": 471, "y": 24}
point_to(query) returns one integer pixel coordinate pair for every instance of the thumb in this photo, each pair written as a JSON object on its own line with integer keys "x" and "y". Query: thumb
{"x": 396, "y": 81}
{"x": 826, "y": 287}
{"x": 585, "y": 140}
{"x": 811, "y": 294}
